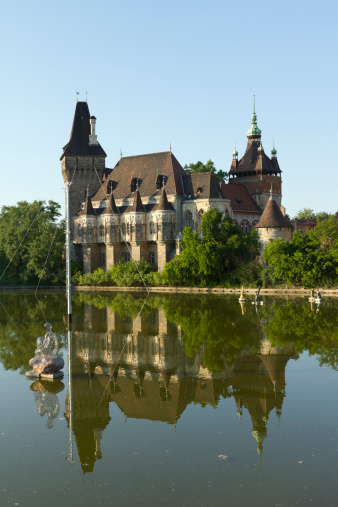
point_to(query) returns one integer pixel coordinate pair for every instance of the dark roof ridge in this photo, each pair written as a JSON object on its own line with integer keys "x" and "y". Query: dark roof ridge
{"x": 146, "y": 154}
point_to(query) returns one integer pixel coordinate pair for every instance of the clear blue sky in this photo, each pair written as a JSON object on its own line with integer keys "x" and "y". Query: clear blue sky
{"x": 163, "y": 71}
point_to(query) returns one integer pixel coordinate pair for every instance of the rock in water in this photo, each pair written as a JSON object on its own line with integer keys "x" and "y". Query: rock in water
{"x": 47, "y": 364}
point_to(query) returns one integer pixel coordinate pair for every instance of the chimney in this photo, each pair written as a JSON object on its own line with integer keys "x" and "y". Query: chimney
{"x": 93, "y": 137}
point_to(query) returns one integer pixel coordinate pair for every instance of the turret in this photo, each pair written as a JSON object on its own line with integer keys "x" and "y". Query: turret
{"x": 83, "y": 158}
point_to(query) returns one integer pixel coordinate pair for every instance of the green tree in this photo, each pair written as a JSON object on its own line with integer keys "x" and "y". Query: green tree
{"x": 310, "y": 259}
{"x": 28, "y": 231}
{"x": 220, "y": 175}
{"x": 214, "y": 258}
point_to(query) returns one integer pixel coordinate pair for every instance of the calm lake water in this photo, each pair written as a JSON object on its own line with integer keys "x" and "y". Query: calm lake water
{"x": 197, "y": 400}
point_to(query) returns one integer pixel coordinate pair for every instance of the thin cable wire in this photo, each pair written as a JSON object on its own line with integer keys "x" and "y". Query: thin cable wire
{"x": 36, "y": 290}
{"x": 121, "y": 234}
{"x": 29, "y": 228}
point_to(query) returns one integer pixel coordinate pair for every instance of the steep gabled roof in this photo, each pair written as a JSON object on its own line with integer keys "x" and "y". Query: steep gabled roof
{"x": 252, "y": 161}
{"x": 137, "y": 206}
{"x": 88, "y": 209}
{"x": 78, "y": 144}
{"x": 144, "y": 169}
{"x": 163, "y": 204}
{"x": 240, "y": 197}
{"x": 272, "y": 216}
{"x": 201, "y": 186}
{"x": 111, "y": 208}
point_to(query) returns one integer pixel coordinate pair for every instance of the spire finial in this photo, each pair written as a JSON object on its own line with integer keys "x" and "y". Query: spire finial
{"x": 170, "y": 146}
{"x": 77, "y": 94}
{"x": 86, "y": 96}
{"x": 120, "y": 153}
{"x": 271, "y": 192}
{"x": 254, "y": 108}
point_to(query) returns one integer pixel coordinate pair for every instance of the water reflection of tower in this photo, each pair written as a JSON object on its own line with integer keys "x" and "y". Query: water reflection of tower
{"x": 87, "y": 410}
{"x": 259, "y": 386}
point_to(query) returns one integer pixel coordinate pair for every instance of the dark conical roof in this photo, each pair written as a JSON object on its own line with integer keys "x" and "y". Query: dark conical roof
{"x": 88, "y": 209}
{"x": 79, "y": 138}
{"x": 111, "y": 208}
{"x": 164, "y": 204}
{"x": 137, "y": 204}
{"x": 272, "y": 216}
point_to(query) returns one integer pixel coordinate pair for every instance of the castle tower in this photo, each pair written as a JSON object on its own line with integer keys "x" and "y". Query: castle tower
{"x": 83, "y": 158}
{"x": 255, "y": 169}
{"x": 165, "y": 219}
{"x": 137, "y": 216}
{"x": 273, "y": 224}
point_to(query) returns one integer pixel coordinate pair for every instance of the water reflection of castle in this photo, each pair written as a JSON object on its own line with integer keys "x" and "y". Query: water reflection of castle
{"x": 140, "y": 365}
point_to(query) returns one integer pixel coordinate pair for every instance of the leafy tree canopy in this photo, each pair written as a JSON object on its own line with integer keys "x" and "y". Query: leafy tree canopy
{"x": 214, "y": 258}
{"x": 27, "y": 232}
{"x": 310, "y": 259}
{"x": 220, "y": 175}
{"x": 309, "y": 214}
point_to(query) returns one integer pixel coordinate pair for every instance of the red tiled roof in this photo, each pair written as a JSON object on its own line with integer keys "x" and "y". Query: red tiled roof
{"x": 240, "y": 197}
{"x": 272, "y": 216}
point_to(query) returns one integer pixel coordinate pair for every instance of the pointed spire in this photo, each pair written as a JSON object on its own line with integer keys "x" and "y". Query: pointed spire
{"x": 274, "y": 151}
{"x": 137, "y": 204}
{"x": 111, "y": 208}
{"x": 235, "y": 153}
{"x": 260, "y": 149}
{"x": 254, "y": 133}
{"x": 88, "y": 209}
{"x": 164, "y": 204}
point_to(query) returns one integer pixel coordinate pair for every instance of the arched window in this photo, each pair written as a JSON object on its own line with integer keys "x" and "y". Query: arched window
{"x": 245, "y": 226}
{"x": 89, "y": 231}
{"x": 128, "y": 228}
{"x": 139, "y": 231}
{"x": 101, "y": 231}
{"x": 152, "y": 228}
{"x": 123, "y": 226}
{"x": 188, "y": 219}
{"x": 255, "y": 222}
{"x": 152, "y": 258}
{"x": 113, "y": 232}
{"x": 165, "y": 230}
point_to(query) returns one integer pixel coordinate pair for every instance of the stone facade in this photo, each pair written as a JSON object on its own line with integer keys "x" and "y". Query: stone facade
{"x": 139, "y": 209}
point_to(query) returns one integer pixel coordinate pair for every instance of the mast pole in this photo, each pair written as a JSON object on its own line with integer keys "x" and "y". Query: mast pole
{"x": 68, "y": 270}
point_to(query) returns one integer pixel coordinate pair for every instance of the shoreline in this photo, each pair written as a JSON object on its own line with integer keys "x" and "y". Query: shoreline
{"x": 180, "y": 290}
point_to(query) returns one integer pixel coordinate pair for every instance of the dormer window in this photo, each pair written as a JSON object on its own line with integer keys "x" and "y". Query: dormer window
{"x": 238, "y": 201}
{"x": 160, "y": 180}
{"x": 134, "y": 184}
{"x": 110, "y": 187}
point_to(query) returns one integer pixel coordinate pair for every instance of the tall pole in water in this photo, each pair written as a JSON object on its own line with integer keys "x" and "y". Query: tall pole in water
{"x": 68, "y": 270}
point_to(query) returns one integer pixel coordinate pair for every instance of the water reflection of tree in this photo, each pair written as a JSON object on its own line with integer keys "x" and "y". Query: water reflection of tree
{"x": 22, "y": 321}
{"x": 308, "y": 329}
{"x": 216, "y": 324}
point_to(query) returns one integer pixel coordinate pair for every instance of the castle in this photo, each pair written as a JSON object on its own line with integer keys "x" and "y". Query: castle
{"x": 140, "y": 207}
